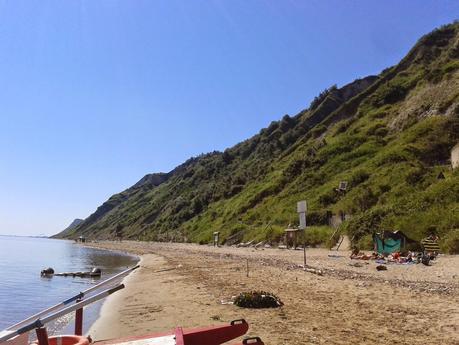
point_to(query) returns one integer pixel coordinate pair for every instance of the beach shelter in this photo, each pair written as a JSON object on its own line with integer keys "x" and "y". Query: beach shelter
{"x": 388, "y": 242}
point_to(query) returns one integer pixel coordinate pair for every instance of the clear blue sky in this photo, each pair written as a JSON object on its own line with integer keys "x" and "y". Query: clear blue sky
{"x": 96, "y": 94}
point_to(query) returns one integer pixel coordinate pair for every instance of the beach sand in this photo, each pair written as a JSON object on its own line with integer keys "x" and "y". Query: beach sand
{"x": 189, "y": 285}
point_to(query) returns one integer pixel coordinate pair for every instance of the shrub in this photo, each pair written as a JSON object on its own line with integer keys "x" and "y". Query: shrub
{"x": 318, "y": 217}
{"x": 227, "y": 156}
{"x": 197, "y": 205}
{"x": 450, "y": 243}
{"x": 389, "y": 93}
{"x": 438, "y": 37}
{"x": 271, "y": 128}
{"x": 381, "y": 132}
{"x": 286, "y": 123}
{"x": 366, "y": 199}
{"x": 274, "y": 234}
{"x": 287, "y": 139}
{"x": 413, "y": 247}
{"x": 318, "y": 130}
{"x": 257, "y": 299}
{"x": 343, "y": 126}
{"x": 367, "y": 222}
{"x": 378, "y": 126}
{"x": 391, "y": 157}
{"x": 328, "y": 198}
{"x": 384, "y": 188}
{"x": 365, "y": 242}
{"x": 434, "y": 75}
{"x": 358, "y": 177}
{"x": 415, "y": 176}
{"x": 296, "y": 167}
{"x": 317, "y": 235}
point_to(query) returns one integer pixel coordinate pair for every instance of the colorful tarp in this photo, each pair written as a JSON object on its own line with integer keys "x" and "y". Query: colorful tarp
{"x": 388, "y": 245}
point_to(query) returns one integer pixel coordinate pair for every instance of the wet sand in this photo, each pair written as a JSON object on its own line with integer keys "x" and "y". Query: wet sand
{"x": 189, "y": 285}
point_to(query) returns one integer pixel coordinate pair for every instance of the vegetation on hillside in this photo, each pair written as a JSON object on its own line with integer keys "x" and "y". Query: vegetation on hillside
{"x": 389, "y": 136}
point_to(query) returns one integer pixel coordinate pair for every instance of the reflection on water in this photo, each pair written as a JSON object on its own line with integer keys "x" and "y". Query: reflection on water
{"x": 24, "y": 292}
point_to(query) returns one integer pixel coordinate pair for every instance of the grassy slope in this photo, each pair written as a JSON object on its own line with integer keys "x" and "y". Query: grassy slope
{"x": 389, "y": 141}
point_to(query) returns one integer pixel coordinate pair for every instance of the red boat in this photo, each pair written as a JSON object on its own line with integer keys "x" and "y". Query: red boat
{"x": 198, "y": 336}
{"x": 18, "y": 334}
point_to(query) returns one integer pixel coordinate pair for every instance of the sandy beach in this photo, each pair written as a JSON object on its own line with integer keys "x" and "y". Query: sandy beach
{"x": 190, "y": 285}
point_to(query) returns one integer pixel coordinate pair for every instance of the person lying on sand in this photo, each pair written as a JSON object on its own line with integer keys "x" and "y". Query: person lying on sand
{"x": 362, "y": 256}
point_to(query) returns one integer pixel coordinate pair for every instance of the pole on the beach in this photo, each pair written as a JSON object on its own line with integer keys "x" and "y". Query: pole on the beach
{"x": 70, "y": 300}
{"x": 247, "y": 267}
{"x": 304, "y": 255}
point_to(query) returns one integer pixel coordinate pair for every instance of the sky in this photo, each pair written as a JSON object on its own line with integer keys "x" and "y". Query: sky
{"x": 96, "y": 94}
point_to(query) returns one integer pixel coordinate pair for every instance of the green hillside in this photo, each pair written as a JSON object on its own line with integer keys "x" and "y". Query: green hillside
{"x": 389, "y": 136}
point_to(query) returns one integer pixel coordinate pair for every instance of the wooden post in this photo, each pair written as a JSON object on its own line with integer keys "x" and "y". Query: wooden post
{"x": 304, "y": 255}
{"x": 247, "y": 268}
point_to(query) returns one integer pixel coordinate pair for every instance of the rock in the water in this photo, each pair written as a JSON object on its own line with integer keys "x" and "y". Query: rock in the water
{"x": 47, "y": 271}
{"x": 96, "y": 271}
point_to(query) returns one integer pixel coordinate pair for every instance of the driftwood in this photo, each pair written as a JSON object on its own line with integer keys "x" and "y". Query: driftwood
{"x": 313, "y": 270}
{"x": 78, "y": 274}
{"x": 95, "y": 272}
{"x": 244, "y": 245}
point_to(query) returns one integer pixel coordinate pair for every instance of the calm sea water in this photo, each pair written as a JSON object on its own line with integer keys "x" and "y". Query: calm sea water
{"x": 23, "y": 292}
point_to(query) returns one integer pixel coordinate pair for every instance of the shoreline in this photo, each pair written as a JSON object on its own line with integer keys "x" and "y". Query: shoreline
{"x": 156, "y": 299}
{"x": 190, "y": 286}
{"x": 100, "y": 325}
{"x": 95, "y": 314}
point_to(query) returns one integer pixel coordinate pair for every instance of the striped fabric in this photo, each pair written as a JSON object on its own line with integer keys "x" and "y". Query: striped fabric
{"x": 430, "y": 245}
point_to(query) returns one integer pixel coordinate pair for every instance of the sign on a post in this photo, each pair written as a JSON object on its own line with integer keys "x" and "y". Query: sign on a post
{"x": 301, "y": 208}
{"x": 302, "y": 220}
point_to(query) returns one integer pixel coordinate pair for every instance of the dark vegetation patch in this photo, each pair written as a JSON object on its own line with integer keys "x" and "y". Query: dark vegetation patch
{"x": 257, "y": 300}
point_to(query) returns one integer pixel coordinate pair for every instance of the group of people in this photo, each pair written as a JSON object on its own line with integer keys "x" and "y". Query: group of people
{"x": 396, "y": 257}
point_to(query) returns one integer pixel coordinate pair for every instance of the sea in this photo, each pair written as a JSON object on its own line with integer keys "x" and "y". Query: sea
{"x": 23, "y": 292}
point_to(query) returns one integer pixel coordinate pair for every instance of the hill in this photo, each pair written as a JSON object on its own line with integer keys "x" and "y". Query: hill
{"x": 389, "y": 136}
{"x": 72, "y": 225}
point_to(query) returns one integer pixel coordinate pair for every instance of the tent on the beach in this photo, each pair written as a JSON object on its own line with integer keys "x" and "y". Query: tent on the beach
{"x": 388, "y": 242}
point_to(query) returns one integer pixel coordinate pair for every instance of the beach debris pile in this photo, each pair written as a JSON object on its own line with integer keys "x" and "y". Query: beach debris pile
{"x": 257, "y": 299}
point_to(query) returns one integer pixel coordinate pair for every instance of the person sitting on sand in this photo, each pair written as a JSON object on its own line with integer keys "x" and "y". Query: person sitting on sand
{"x": 356, "y": 255}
